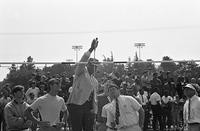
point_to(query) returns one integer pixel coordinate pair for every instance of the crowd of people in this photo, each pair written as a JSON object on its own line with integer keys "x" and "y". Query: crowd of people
{"x": 81, "y": 103}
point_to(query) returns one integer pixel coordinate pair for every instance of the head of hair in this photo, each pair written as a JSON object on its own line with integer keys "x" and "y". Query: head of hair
{"x": 51, "y": 82}
{"x": 17, "y": 88}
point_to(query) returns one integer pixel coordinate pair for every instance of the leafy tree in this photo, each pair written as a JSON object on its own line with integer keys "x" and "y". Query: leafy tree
{"x": 168, "y": 66}
{"x": 60, "y": 69}
{"x": 22, "y": 75}
{"x": 13, "y": 68}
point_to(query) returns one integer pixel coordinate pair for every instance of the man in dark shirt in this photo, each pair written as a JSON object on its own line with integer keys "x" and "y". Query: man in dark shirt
{"x": 156, "y": 83}
{"x": 102, "y": 99}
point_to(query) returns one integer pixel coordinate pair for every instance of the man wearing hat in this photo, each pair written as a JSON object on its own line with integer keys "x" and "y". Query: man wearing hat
{"x": 82, "y": 101}
{"x": 191, "y": 108}
{"x": 124, "y": 113}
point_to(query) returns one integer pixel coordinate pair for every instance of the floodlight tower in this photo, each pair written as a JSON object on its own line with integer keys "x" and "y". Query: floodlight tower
{"x": 139, "y": 46}
{"x": 77, "y": 48}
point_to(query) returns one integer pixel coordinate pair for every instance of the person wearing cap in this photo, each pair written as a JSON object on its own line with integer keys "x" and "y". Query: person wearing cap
{"x": 14, "y": 111}
{"x": 50, "y": 105}
{"x": 191, "y": 109}
{"x": 82, "y": 101}
{"x": 124, "y": 113}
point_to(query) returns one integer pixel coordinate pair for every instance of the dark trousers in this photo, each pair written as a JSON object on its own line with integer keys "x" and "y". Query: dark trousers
{"x": 167, "y": 117}
{"x": 156, "y": 110}
{"x": 2, "y": 122}
{"x": 194, "y": 127}
{"x": 146, "y": 118}
{"x": 81, "y": 118}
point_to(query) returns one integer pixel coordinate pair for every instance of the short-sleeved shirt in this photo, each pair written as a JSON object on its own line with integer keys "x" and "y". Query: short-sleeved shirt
{"x": 128, "y": 107}
{"x": 35, "y": 91}
{"x": 154, "y": 98}
{"x": 49, "y": 107}
{"x": 194, "y": 110}
{"x": 167, "y": 99}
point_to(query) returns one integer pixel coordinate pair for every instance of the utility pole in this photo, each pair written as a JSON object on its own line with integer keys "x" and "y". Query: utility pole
{"x": 139, "y": 46}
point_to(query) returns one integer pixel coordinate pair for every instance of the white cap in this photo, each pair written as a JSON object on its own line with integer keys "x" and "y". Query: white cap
{"x": 190, "y": 86}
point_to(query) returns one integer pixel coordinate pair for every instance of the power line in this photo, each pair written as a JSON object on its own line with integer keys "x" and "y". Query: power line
{"x": 104, "y": 62}
{"x": 102, "y": 31}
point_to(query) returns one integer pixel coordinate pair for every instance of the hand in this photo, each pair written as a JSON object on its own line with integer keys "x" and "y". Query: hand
{"x": 44, "y": 123}
{"x": 28, "y": 123}
{"x": 113, "y": 124}
{"x": 94, "y": 43}
{"x": 141, "y": 125}
{"x": 60, "y": 124}
{"x": 21, "y": 120}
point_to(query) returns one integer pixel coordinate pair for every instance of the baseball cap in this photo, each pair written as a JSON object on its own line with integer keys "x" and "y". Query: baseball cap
{"x": 190, "y": 86}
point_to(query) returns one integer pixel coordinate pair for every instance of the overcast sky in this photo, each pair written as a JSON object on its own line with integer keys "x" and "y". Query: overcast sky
{"x": 47, "y": 29}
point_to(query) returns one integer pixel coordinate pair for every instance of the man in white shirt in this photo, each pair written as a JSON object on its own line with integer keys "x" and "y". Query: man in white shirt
{"x": 167, "y": 107}
{"x": 144, "y": 102}
{"x": 82, "y": 103}
{"x": 33, "y": 89}
{"x": 191, "y": 113}
{"x": 50, "y": 105}
{"x": 155, "y": 101}
{"x": 124, "y": 113}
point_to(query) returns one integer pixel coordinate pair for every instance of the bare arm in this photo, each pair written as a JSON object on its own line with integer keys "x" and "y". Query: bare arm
{"x": 81, "y": 66}
{"x": 29, "y": 115}
{"x": 66, "y": 114}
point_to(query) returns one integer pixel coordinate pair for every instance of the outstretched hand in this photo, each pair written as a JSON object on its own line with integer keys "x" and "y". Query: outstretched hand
{"x": 94, "y": 43}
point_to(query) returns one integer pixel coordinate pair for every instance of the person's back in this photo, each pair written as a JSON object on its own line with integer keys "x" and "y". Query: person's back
{"x": 49, "y": 107}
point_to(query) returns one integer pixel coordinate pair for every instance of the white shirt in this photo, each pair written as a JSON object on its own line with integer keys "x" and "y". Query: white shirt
{"x": 143, "y": 99}
{"x": 154, "y": 98}
{"x": 194, "y": 110}
{"x": 167, "y": 99}
{"x": 145, "y": 93}
{"x": 35, "y": 91}
{"x": 49, "y": 107}
{"x": 128, "y": 107}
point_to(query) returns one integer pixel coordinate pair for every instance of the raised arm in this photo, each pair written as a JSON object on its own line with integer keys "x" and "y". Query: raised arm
{"x": 80, "y": 66}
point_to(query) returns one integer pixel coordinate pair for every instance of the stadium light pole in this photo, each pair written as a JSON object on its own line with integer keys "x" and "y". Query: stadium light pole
{"x": 139, "y": 46}
{"x": 77, "y": 48}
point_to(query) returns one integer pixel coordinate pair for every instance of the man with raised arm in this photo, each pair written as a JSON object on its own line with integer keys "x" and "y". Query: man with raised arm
{"x": 82, "y": 102}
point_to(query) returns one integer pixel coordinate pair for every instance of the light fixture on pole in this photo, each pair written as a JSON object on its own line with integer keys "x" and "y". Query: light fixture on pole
{"x": 139, "y": 46}
{"x": 77, "y": 48}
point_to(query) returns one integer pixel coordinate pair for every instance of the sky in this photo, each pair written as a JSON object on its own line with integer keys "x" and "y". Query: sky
{"x": 47, "y": 29}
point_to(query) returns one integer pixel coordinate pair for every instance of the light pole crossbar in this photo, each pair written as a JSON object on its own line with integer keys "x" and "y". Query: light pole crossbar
{"x": 104, "y": 62}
